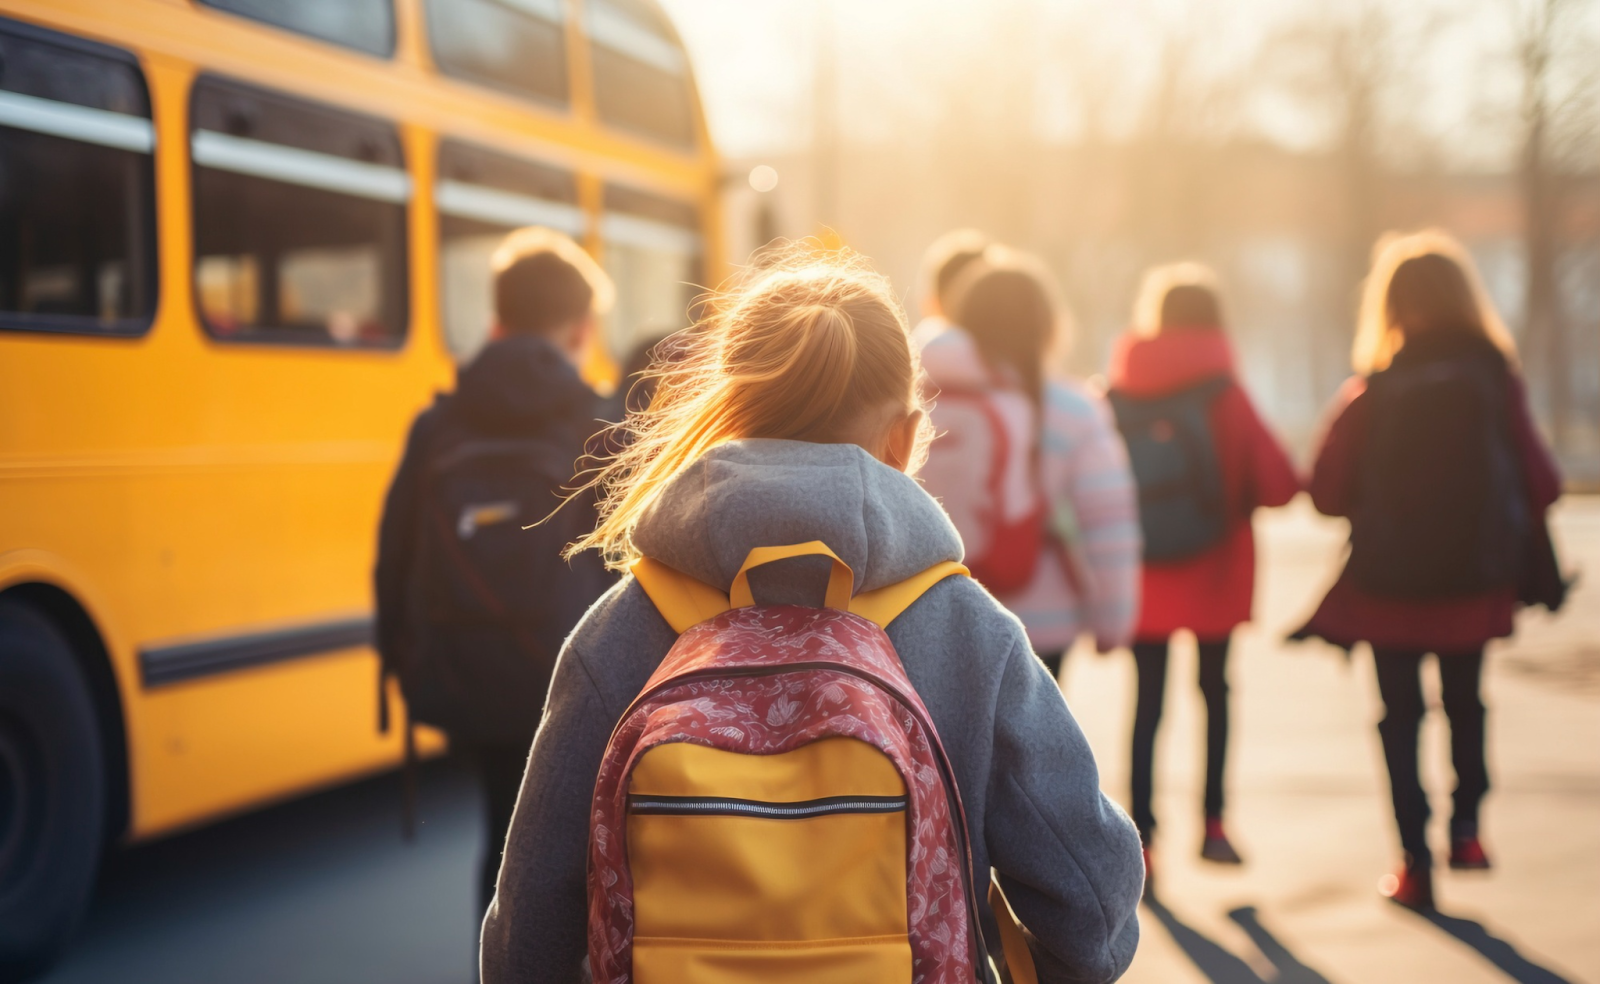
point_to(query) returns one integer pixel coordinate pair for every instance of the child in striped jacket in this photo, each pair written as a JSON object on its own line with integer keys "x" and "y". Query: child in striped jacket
{"x": 1062, "y": 460}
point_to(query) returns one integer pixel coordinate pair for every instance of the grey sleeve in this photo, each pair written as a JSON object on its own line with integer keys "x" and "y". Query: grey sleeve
{"x": 536, "y": 927}
{"x": 1068, "y": 858}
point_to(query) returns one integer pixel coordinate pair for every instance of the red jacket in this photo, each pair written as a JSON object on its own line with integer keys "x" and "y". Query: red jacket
{"x": 1456, "y": 625}
{"x": 1208, "y": 594}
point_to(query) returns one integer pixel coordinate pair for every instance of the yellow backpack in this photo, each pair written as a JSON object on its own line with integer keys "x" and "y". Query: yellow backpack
{"x": 775, "y": 805}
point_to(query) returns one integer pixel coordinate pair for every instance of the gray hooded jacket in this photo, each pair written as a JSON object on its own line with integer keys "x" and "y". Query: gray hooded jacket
{"x": 1068, "y": 858}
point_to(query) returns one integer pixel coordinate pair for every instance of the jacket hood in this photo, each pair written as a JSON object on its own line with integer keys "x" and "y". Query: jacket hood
{"x": 951, "y": 359}
{"x": 1169, "y": 362}
{"x": 758, "y": 493}
{"x": 520, "y": 382}
{"x": 1436, "y": 345}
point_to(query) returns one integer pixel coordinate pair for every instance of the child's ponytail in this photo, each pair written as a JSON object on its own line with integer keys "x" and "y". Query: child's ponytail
{"x": 795, "y": 371}
{"x": 804, "y": 351}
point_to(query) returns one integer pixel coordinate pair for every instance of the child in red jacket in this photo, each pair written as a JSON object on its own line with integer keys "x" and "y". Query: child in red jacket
{"x": 1204, "y": 463}
{"x": 1432, "y": 454}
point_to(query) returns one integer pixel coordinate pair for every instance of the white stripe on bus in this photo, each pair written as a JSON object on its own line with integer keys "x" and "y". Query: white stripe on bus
{"x": 631, "y": 230}
{"x": 302, "y": 167}
{"x": 507, "y": 208}
{"x": 59, "y": 119}
{"x": 553, "y": 11}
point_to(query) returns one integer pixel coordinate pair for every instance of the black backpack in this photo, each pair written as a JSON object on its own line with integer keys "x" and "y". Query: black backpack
{"x": 1440, "y": 508}
{"x": 490, "y": 599}
{"x": 1182, "y": 507}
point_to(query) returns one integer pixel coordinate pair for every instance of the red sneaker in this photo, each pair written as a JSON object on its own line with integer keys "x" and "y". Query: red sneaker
{"x": 1412, "y": 887}
{"x": 1216, "y": 848}
{"x": 1467, "y": 854}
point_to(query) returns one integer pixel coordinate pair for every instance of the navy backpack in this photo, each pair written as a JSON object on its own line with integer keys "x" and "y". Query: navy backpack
{"x": 1173, "y": 453}
{"x": 491, "y": 600}
{"x": 1441, "y": 510}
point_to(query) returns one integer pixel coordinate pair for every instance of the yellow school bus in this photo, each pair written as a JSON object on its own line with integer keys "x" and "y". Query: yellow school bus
{"x": 242, "y": 242}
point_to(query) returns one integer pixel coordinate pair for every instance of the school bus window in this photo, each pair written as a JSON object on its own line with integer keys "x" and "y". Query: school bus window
{"x": 641, "y": 74}
{"x": 77, "y": 198}
{"x": 481, "y": 196}
{"x": 653, "y": 253}
{"x": 365, "y": 25}
{"x": 299, "y": 220}
{"x": 515, "y": 45}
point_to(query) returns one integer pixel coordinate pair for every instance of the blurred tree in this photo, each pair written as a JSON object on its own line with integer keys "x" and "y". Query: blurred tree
{"x": 1353, "y": 66}
{"x": 825, "y": 115}
{"x": 1558, "y": 60}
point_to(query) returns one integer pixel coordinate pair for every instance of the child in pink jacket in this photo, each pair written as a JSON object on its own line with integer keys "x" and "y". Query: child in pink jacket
{"x": 1061, "y": 459}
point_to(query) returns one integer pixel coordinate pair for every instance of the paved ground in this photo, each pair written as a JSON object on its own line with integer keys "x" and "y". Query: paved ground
{"x": 1309, "y": 807}
{"x": 322, "y": 890}
{"x": 318, "y": 891}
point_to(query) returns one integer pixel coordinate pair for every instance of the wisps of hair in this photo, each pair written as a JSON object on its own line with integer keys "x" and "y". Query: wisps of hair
{"x": 520, "y": 244}
{"x": 1427, "y": 278}
{"x": 800, "y": 347}
{"x": 947, "y": 257}
{"x": 1160, "y": 282}
{"x": 1012, "y": 307}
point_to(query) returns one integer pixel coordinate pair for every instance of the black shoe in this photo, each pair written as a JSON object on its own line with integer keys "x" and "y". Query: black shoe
{"x": 1216, "y": 848}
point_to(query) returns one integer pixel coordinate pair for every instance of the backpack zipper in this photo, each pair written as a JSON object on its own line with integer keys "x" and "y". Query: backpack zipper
{"x": 980, "y": 949}
{"x": 721, "y": 806}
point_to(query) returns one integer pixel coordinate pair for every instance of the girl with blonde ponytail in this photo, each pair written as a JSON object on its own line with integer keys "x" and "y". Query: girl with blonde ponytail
{"x": 810, "y": 350}
{"x": 792, "y": 413}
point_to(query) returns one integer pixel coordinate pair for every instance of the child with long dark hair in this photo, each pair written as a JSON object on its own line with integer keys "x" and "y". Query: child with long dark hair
{"x": 1029, "y": 464}
{"x": 1432, "y": 454}
{"x": 1204, "y": 463}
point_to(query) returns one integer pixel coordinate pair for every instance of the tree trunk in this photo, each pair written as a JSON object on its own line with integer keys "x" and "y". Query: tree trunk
{"x": 1543, "y": 328}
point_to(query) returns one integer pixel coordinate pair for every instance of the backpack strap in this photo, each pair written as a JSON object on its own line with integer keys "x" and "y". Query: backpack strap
{"x": 841, "y": 579}
{"x": 883, "y": 605}
{"x": 682, "y": 600}
{"x": 685, "y": 601}
{"x": 1013, "y": 943}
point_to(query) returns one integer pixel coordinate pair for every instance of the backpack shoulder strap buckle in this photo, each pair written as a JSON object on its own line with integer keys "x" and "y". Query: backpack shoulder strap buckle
{"x": 685, "y": 601}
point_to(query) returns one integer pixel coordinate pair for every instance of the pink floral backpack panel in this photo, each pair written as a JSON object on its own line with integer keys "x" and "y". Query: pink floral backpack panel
{"x": 770, "y": 680}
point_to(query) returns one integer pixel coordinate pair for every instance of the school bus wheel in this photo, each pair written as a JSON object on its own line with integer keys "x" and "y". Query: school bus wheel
{"x": 52, "y": 791}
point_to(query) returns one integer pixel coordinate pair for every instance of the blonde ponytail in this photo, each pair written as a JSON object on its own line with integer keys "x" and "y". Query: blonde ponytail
{"x": 803, "y": 351}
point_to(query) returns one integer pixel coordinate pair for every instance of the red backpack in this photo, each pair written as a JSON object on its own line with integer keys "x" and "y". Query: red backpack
{"x": 775, "y": 805}
{"x": 1004, "y": 518}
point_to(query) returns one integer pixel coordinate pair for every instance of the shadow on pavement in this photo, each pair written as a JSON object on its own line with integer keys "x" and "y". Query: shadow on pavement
{"x": 1494, "y": 949}
{"x": 1220, "y": 965}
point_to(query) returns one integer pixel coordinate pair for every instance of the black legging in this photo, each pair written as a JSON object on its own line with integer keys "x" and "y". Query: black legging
{"x": 1052, "y": 661}
{"x": 1151, "y": 659}
{"x": 1400, "y": 684}
{"x": 499, "y": 769}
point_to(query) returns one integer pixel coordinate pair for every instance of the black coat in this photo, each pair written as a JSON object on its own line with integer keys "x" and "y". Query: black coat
{"x": 519, "y": 388}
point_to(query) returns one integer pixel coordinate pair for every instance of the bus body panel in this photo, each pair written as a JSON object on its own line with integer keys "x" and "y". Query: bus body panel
{"x": 194, "y": 492}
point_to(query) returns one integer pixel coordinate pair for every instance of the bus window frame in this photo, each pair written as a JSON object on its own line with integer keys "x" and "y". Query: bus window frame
{"x": 386, "y": 56}
{"x": 641, "y": 218}
{"x": 565, "y": 106}
{"x": 278, "y": 336}
{"x": 565, "y": 216}
{"x": 83, "y": 326}
{"x": 695, "y": 143}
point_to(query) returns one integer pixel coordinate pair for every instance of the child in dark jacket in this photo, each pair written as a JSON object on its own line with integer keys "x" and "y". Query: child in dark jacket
{"x": 795, "y": 416}
{"x": 482, "y": 677}
{"x": 1432, "y": 454}
{"x": 1179, "y": 352}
